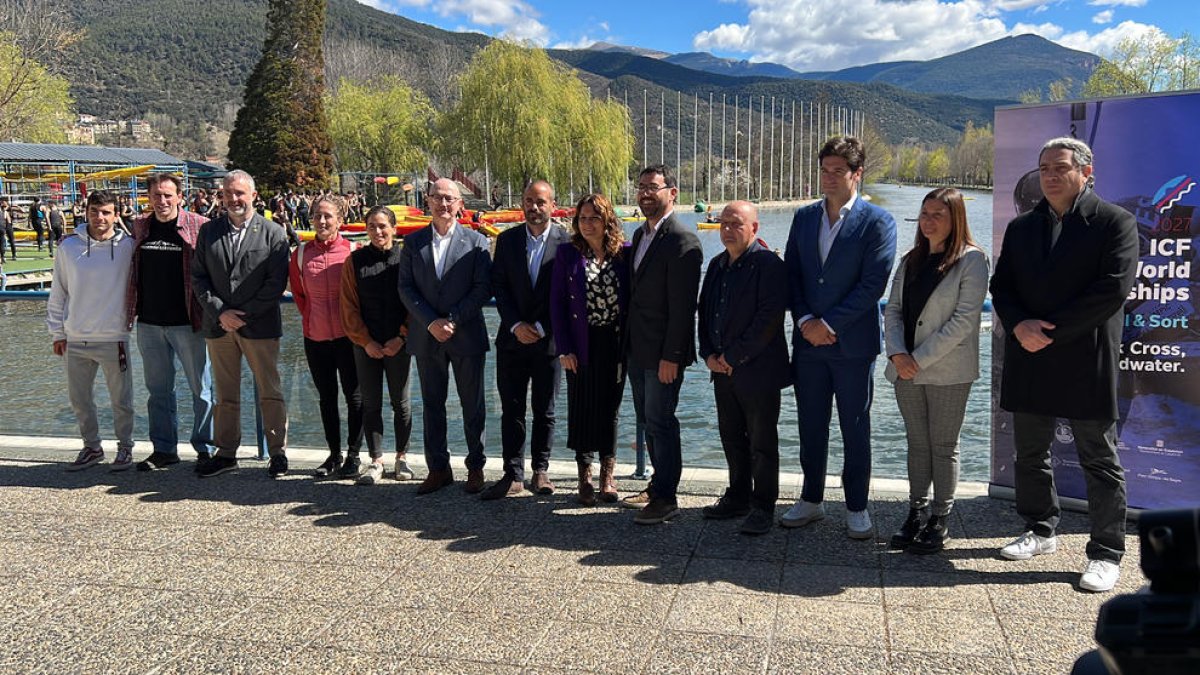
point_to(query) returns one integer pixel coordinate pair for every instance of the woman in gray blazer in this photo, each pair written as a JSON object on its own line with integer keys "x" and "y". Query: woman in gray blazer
{"x": 931, "y": 326}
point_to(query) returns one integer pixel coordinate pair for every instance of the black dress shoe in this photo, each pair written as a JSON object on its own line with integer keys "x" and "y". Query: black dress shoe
{"x": 908, "y": 531}
{"x": 202, "y": 458}
{"x": 330, "y": 466}
{"x": 156, "y": 461}
{"x": 932, "y": 538}
{"x": 758, "y": 522}
{"x": 278, "y": 466}
{"x": 350, "y": 468}
{"x": 725, "y": 508}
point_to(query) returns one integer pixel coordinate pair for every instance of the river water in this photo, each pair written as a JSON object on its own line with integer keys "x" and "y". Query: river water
{"x": 33, "y": 398}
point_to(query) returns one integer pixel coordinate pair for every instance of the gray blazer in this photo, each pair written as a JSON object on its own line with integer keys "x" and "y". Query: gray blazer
{"x": 947, "y": 336}
{"x": 466, "y": 284}
{"x": 251, "y": 280}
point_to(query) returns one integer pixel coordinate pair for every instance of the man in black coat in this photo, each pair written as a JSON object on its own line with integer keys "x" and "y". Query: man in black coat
{"x": 525, "y": 359}
{"x": 661, "y": 339}
{"x": 239, "y": 271}
{"x": 1061, "y": 282}
{"x": 742, "y": 304}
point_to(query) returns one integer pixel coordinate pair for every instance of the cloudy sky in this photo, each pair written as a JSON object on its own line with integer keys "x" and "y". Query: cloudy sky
{"x": 806, "y": 34}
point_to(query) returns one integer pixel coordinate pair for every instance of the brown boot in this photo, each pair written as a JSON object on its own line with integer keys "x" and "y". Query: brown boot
{"x": 541, "y": 483}
{"x": 608, "y": 485}
{"x": 474, "y": 481}
{"x": 587, "y": 493}
{"x": 436, "y": 480}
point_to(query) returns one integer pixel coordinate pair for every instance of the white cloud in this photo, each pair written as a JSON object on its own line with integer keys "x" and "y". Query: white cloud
{"x": 1118, "y": 3}
{"x": 582, "y": 43}
{"x": 1011, "y": 5}
{"x": 1103, "y": 42}
{"x": 1050, "y": 31}
{"x": 1103, "y": 17}
{"x": 815, "y": 34}
{"x": 514, "y": 19}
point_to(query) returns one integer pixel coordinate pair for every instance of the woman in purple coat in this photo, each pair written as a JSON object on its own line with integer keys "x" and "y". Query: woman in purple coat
{"x": 589, "y": 298}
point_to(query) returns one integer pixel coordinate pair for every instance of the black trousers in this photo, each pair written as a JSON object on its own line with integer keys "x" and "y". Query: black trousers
{"x": 329, "y": 361}
{"x": 1037, "y": 498}
{"x": 749, "y": 426}
{"x": 370, "y": 380}
{"x": 12, "y": 241}
{"x": 538, "y": 375}
{"x": 56, "y": 235}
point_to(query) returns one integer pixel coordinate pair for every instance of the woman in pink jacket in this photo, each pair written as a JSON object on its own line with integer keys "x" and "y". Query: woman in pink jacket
{"x": 316, "y": 274}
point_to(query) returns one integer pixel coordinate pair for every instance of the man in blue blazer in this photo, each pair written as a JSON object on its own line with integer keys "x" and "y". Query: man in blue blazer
{"x": 526, "y": 364}
{"x": 445, "y": 277}
{"x": 742, "y": 305}
{"x": 839, "y": 257}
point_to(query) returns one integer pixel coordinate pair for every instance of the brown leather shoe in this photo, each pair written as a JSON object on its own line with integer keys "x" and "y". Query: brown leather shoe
{"x": 608, "y": 484}
{"x": 587, "y": 493}
{"x": 474, "y": 483}
{"x": 657, "y": 511}
{"x": 436, "y": 480}
{"x": 638, "y": 501}
{"x": 541, "y": 483}
{"x": 505, "y": 487}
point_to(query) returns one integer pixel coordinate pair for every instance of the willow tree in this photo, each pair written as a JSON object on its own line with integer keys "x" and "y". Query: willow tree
{"x": 379, "y": 127}
{"x": 35, "y": 104}
{"x": 525, "y": 116}
{"x": 281, "y": 133}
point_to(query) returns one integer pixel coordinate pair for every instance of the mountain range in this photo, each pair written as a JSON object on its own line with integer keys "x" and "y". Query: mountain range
{"x": 189, "y": 61}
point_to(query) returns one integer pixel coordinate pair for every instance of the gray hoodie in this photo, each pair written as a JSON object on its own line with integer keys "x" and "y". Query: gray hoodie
{"x": 87, "y": 297}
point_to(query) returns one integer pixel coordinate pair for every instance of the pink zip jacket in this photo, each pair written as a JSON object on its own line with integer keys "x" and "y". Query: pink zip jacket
{"x": 316, "y": 286}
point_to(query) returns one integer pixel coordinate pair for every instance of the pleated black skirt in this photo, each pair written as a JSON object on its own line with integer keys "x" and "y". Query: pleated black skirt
{"x": 594, "y": 395}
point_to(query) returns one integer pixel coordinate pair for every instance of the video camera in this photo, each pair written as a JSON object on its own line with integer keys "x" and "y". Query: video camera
{"x": 1156, "y": 631}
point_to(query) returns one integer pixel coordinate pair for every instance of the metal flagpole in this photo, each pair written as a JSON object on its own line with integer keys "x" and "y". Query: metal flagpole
{"x": 792, "y": 156}
{"x": 628, "y": 124}
{"x": 735, "y": 146}
{"x": 771, "y": 152}
{"x": 708, "y": 155}
{"x": 762, "y": 121}
{"x": 662, "y": 127}
{"x": 645, "y": 129}
{"x": 695, "y": 131}
{"x": 722, "y": 163}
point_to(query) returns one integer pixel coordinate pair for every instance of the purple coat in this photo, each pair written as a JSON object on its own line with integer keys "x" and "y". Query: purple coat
{"x": 568, "y": 299}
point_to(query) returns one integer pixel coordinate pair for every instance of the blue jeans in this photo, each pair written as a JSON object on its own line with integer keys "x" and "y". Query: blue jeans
{"x": 656, "y": 403}
{"x": 160, "y": 346}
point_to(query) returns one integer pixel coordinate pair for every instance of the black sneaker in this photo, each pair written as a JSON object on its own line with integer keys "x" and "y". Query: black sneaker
{"x": 278, "y": 466}
{"x": 724, "y": 509}
{"x": 758, "y": 522}
{"x": 202, "y": 458}
{"x": 350, "y": 468}
{"x": 217, "y": 466}
{"x": 330, "y": 466}
{"x": 156, "y": 461}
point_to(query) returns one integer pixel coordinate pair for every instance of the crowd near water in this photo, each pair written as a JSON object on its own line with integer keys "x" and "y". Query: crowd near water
{"x": 588, "y": 310}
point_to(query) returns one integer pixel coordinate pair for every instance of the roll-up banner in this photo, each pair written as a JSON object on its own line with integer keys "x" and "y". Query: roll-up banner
{"x": 1147, "y": 160}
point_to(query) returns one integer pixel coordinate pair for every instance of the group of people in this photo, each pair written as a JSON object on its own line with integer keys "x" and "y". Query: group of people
{"x": 603, "y": 311}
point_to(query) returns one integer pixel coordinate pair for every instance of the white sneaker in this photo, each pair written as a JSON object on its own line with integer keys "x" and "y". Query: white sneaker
{"x": 858, "y": 525}
{"x": 1099, "y": 576}
{"x": 372, "y": 474}
{"x": 802, "y": 513}
{"x": 1028, "y": 545}
{"x": 402, "y": 470}
{"x": 123, "y": 460}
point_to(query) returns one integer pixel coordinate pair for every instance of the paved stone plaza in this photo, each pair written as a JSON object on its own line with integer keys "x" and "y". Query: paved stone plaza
{"x": 167, "y": 573}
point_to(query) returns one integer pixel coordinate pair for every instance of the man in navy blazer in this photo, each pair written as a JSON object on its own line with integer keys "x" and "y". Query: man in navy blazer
{"x": 661, "y": 339}
{"x": 839, "y": 258}
{"x": 742, "y": 305}
{"x": 525, "y": 360}
{"x": 444, "y": 280}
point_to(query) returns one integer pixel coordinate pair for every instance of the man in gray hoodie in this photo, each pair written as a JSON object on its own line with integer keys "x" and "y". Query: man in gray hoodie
{"x": 86, "y": 318}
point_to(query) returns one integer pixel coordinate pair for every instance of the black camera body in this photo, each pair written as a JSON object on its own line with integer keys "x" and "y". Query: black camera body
{"x": 1158, "y": 631}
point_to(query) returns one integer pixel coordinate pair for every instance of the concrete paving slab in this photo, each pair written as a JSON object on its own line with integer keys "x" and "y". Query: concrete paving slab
{"x": 796, "y": 656}
{"x": 682, "y": 652}
{"x": 707, "y": 611}
{"x": 849, "y": 624}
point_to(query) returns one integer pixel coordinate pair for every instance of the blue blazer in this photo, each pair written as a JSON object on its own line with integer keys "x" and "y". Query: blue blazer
{"x": 845, "y": 290}
{"x": 459, "y": 295}
{"x": 568, "y": 299}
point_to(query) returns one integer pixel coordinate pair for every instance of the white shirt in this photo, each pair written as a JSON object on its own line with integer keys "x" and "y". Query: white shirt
{"x": 825, "y": 238}
{"x": 441, "y": 245}
{"x": 648, "y": 233}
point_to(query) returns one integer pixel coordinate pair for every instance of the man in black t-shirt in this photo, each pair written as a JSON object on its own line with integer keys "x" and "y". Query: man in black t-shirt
{"x": 168, "y": 322}
{"x": 6, "y": 229}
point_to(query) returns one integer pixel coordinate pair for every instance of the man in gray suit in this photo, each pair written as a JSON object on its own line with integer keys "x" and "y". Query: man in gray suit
{"x": 445, "y": 277}
{"x": 239, "y": 271}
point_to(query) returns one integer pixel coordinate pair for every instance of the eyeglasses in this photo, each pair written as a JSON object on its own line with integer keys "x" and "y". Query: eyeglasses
{"x": 651, "y": 189}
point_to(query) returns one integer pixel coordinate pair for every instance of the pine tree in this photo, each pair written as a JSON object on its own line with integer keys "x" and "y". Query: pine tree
{"x": 281, "y": 135}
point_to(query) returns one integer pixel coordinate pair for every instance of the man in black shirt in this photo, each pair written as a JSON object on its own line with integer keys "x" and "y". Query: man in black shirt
{"x": 168, "y": 322}
{"x": 6, "y": 229}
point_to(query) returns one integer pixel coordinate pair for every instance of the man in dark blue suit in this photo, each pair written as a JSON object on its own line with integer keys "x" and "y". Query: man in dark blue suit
{"x": 525, "y": 360}
{"x": 839, "y": 257}
{"x": 742, "y": 305}
{"x": 445, "y": 277}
